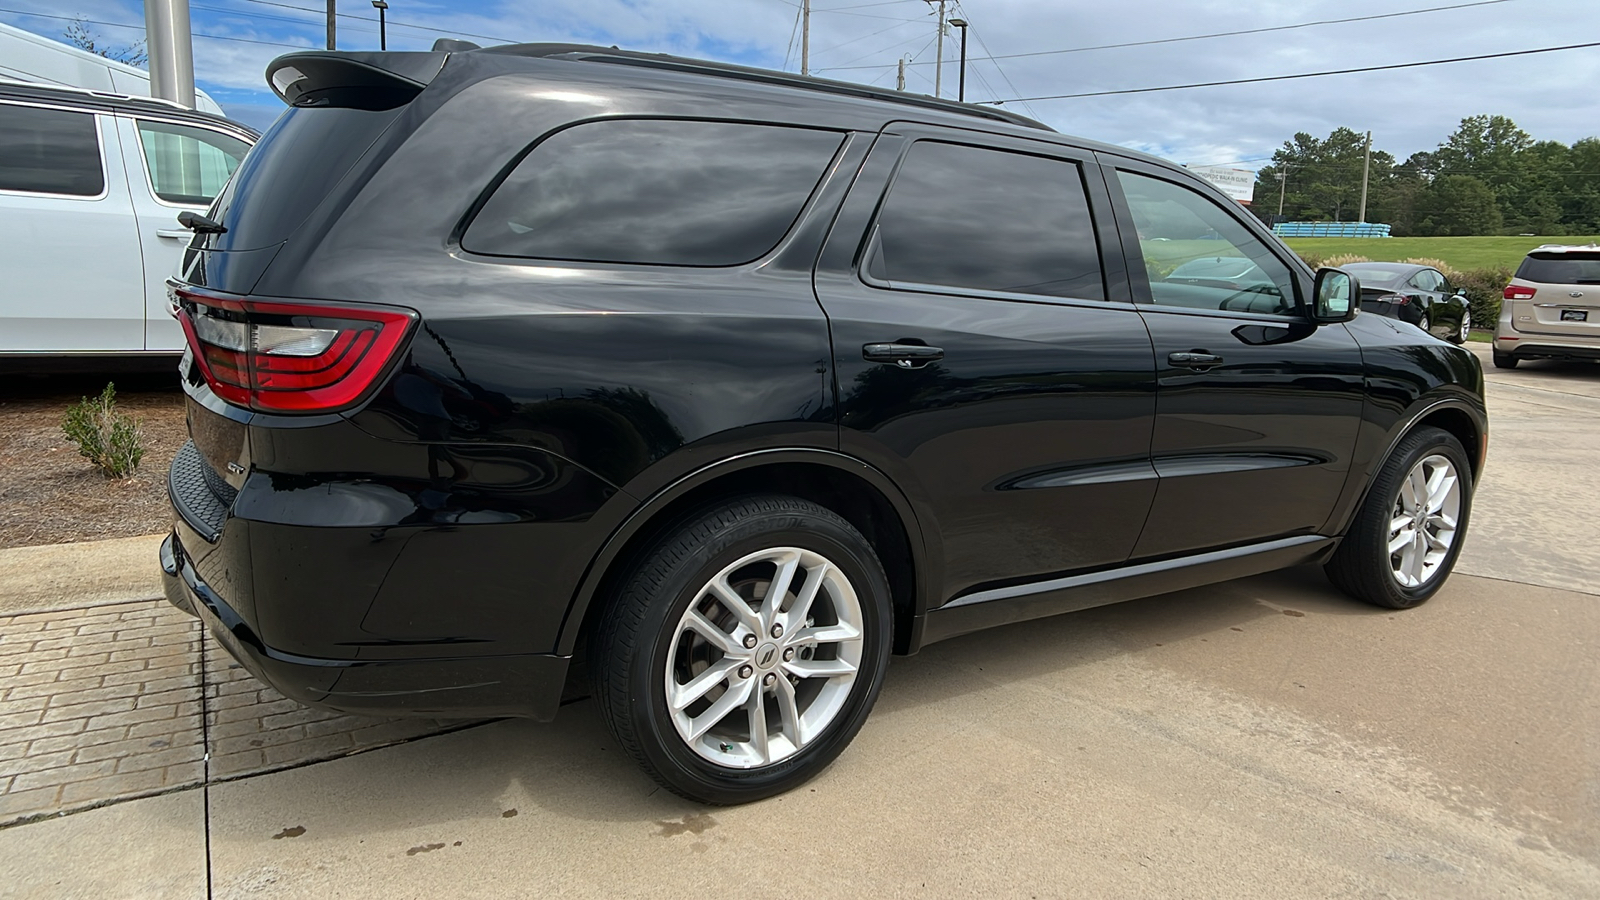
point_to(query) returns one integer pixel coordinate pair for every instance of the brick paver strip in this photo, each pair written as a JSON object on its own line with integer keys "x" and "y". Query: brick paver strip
{"x": 106, "y": 703}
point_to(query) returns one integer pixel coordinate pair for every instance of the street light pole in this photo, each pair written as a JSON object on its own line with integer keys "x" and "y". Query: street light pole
{"x": 333, "y": 43}
{"x": 805, "y": 37}
{"x": 171, "y": 48}
{"x": 1283, "y": 181}
{"x": 962, "y": 91}
{"x": 1366, "y": 165}
{"x": 383, "y": 26}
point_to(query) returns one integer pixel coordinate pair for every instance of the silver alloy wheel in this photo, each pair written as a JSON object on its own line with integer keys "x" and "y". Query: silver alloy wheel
{"x": 763, "y": 660}
{"x": 1466, "y": 324}
{"x": 1422, "y": 527}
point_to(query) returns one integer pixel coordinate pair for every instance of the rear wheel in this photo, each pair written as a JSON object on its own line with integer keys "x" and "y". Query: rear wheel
{"x": 1404, "y": 540}
{"x": 1504, "y": 360}
{"x": 745, "y": 649}
{"x": 1460, "y": 337}
{"x": 1425, "y": 323}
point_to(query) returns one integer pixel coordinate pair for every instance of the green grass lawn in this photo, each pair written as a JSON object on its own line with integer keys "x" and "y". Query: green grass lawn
{"x": 1460, "y": 252}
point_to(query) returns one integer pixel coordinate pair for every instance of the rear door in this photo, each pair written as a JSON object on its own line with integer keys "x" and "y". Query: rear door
{"x": 69, "y": 246}
{"x": 1566, "y": 294}
{"x": 987, "y": 353}
{"x": 1257, "y": 408}
{"x": 171, "y": 167}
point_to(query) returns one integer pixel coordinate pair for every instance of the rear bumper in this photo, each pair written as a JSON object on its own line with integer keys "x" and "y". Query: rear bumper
{"x": 1535, "y": 346}
{"x": 527, "y": 685}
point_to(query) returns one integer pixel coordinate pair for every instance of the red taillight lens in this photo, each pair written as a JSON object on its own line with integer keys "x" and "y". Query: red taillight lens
{"x": 1396, "y": 299}
{"x": 290, "y": 357}
{"x": 1518, "y": 292}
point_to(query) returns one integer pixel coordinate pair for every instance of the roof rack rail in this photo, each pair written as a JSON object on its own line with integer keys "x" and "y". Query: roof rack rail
{"x": 763, "y": 76}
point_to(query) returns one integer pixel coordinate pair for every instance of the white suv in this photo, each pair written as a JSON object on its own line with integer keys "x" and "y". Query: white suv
{"x": 1552, "y": 307}
{"x": 91, "y": 185}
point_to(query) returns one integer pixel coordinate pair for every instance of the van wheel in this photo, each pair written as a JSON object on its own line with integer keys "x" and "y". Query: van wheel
{"x": 1504, "y": 360}
{"x": 744, "y": 649}
{"x": 1406, "y": 536}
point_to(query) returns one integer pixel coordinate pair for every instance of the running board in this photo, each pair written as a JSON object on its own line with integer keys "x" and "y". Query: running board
{"x": 1022, "y": 602}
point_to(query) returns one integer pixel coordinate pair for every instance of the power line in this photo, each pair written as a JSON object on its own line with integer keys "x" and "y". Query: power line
{"x": 1409, "y": 65}
{"x": 392, "y": 22}
{"x": 214, "y": 37}
{"x": 1218, "y": 34}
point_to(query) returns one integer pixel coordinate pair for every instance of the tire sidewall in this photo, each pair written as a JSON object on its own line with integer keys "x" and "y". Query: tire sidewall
{"x": 1424, "y": 443}
{"x": 663, "y": 746}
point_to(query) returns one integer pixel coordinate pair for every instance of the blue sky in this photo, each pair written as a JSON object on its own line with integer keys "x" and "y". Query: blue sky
{"x": 1407, "y": 110}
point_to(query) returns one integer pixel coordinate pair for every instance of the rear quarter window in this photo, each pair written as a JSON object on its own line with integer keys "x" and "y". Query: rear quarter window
{"x": 683, "y": 193}
{"x": 1562, "y": 268}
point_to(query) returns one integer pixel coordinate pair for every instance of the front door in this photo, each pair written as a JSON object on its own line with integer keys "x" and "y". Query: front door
{"x": 171, "y": 167}
{"x": 1257, "y": 408}
{"x": 987, "y": 353}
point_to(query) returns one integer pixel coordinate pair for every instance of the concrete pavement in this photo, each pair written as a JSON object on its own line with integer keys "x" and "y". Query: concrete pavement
{"x": 1265, "y": 737}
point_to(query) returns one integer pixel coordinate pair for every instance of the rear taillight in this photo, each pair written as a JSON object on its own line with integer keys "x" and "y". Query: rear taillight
{"x": 290, "y": 357}
{"x": 1396, "y": 299}
{"x": 1518, "y": 292}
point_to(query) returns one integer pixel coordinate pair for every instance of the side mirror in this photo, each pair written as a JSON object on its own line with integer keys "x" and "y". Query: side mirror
{"x": 1335, "y": 292}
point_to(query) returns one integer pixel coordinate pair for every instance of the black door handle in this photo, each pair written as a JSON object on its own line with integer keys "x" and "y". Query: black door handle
{"x": 906, "y": 356}
{"x": 1194, "y": 359}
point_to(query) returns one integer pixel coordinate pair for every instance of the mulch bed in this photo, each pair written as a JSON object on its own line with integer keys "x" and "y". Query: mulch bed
{"x": 51, "y": 495}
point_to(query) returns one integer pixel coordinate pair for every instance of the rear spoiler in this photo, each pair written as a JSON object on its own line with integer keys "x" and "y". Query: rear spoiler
{"x": 352, "y": 80}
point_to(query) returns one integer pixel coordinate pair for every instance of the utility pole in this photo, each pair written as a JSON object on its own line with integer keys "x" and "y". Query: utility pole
{"x": 962, "y": 91}
{"x": 171, "y": 48}
{"x": 938, "y": 64}
{"x": 332, "y": 43}
{"x": 1366, "y": 166}
{"x": 900, "y": 80}
{"x": 805, "y": 37}
{"x": 1283, "y": 181}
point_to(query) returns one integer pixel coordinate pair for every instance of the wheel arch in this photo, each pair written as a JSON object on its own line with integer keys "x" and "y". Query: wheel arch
{"x": 860, "y": 493}
{"x": 1456, "y": 415}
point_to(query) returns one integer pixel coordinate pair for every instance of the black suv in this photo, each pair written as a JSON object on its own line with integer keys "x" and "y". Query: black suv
{"x": 732, "y": 383}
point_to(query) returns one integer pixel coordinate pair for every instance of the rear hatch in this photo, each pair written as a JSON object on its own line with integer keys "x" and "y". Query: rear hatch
{"x": 1557, "y": 293}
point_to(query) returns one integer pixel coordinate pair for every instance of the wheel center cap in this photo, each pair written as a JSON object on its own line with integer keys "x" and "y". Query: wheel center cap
{"x": 766, "y": 656}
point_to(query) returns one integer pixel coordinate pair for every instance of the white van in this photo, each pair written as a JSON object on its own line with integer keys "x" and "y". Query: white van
{"x": 32, "y": 58}
{"x": 91, "y": 185}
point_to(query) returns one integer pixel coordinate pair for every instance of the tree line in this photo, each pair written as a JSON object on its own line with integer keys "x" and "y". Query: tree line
{"x": 1488, "y": 177}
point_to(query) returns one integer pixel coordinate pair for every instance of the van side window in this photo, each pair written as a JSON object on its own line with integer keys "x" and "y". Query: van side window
{"x": 1199, "y": 256}
{"x": 992, "y": 220}
{"x": 49, "y": 151}
{"x": 678, "y": 193}
{"x": 188, "y": 165}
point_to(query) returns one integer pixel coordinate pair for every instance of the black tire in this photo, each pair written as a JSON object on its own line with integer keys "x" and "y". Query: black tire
{"x": 1361, "y": 566}
{"x": 1504, "y": 360}
{"x": 631, "y": 649}
{"x": 1425, "y": 323}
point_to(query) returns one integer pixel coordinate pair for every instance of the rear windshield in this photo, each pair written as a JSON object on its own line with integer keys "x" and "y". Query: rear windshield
{"x": 291, "y": 170}
{"x": 1561, "y": 268}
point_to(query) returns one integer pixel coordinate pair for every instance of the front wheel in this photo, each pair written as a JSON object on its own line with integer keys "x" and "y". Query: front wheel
{"x": 744, "y": 651}
{"x": 1460, "y": 337}
{"x": 1405, "y": 538}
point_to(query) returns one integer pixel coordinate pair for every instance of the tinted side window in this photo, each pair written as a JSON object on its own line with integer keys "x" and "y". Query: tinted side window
{"x": 664, "y": 192}
{"x": 989, "y": 220}
{"x": 188, "y": 165}
{"x": 1427, "y": 280}
{"x": 49, "y": 151}
{"x": 1199, "y": 256}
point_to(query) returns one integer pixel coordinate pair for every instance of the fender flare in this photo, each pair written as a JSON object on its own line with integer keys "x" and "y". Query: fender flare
{"x": 1408, "y": 422}
{"x": 646, "y": 512}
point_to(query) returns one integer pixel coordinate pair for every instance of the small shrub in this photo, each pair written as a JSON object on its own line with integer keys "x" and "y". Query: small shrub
{"x": 1314, "y": 260}
{"x": 107, "y": 438}
{"x": 1343, "y": 259}
{"x": 1484, "y": 289}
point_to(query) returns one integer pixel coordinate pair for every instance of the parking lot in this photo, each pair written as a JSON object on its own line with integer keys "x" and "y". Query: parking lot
{"x": 1265, "y": 737}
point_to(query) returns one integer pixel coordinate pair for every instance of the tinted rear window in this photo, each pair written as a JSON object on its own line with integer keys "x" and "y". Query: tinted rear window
{"x": 49, "y": 151}
{"x": 292, "y": 169}
{"x": 658, "y": 192}
{"x": 967, "y": 217}
{"x": 1563, "y": 268}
